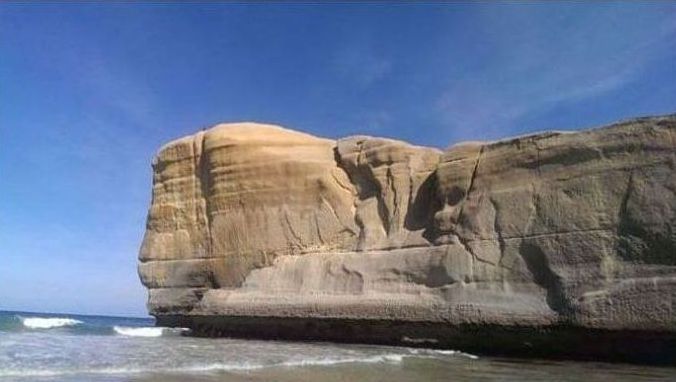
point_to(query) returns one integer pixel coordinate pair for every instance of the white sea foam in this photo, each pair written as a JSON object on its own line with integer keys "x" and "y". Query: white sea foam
{"x": 146, "y": 331}
{"x": 454, "y": 352}
{"x": 48, "y": 322}
{"x": 213, "y": 367}
{"x": 435, "y": 353}
{"x": 139, "y": 332}
{"x": 390, "y": 358}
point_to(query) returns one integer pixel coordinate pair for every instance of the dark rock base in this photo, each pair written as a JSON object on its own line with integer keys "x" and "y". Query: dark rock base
{"x": 553, "y": 342}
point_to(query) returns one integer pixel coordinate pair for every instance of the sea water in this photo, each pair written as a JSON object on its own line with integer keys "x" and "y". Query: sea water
{"x": 62, "y": 347}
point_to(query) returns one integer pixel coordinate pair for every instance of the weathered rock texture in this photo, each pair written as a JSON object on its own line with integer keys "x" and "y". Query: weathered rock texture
{"x": 262, "y": 231}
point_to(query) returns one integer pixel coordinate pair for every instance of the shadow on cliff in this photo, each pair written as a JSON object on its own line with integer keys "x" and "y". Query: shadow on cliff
{"x": 543, "y": 275}
{"x": 421, "y": 210}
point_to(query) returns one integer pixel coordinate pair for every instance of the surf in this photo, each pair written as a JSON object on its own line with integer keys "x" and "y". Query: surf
{"x": 204, "y": 368}
{"x": 48, "y": 322}
{"x": 147, "y": 331}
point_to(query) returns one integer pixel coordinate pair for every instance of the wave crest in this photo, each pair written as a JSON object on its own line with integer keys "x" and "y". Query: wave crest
{"x": 436, "y": 352}
{"x": 382, "y": 358}
{"x": 48, "y": 322}
{"x": 146, "y": 331}
{"x": 213, "y": 367}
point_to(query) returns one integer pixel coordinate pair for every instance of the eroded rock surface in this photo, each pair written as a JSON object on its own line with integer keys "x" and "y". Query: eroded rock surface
{"x": 552, "y": 229}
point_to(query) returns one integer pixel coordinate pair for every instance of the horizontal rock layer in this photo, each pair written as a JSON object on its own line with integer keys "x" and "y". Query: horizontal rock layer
{"x": 554, "y": 230}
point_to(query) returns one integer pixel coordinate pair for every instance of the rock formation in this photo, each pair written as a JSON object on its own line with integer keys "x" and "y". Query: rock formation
{"x": 560, "y": 244}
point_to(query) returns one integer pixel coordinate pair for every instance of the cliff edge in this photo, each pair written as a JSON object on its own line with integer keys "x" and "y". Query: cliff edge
{"x": 555, "y": 244}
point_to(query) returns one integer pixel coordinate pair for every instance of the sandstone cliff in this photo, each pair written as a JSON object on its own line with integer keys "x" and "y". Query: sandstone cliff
{"x": 251, "y": 223}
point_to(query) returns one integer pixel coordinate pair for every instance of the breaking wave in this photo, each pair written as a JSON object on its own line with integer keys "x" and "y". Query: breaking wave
{"x": 436, "y": 353}
{"x": 213, "y": 367}
{"x": 147, "y": 331}
{"x": 57, "y": 347}
{"x": 48, "y": 322}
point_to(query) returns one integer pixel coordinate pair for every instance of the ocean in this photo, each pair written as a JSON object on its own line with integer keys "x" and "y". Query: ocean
{"x": 65, "y": 347}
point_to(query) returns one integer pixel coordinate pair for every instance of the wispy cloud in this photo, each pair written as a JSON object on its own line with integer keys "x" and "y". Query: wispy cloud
{"x": 540, "y": 57}
{"x": 359, "y": 62}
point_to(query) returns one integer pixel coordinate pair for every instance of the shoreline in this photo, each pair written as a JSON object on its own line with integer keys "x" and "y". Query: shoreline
{"x": 555, "y": 342}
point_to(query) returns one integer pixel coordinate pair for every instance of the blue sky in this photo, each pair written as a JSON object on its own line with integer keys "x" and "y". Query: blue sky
{"x": 88, "y": 92}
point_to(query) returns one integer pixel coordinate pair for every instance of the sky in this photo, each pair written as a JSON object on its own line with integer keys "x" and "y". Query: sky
{"x": 90, "y": 91}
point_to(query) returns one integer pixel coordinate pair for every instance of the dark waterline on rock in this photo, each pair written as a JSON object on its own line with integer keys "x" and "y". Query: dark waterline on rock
{"x": 555, "y": 342}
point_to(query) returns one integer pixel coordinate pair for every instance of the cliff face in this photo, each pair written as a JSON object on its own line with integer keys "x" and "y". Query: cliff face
{"x": 572, "y": 230}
